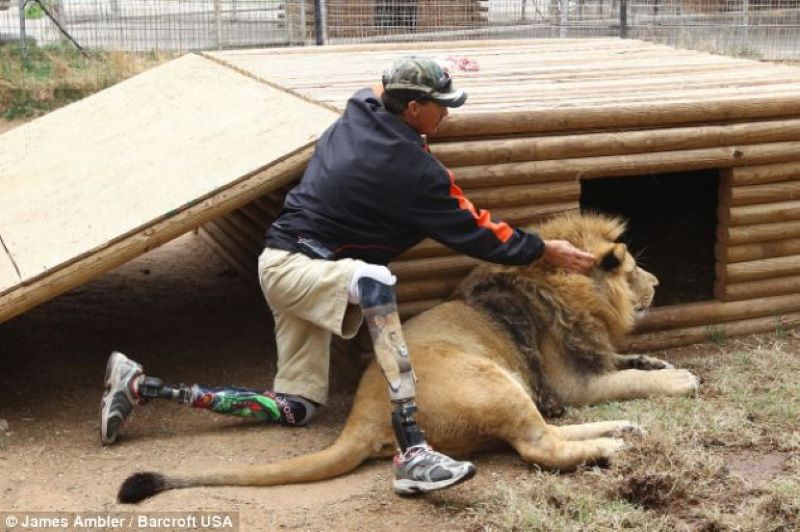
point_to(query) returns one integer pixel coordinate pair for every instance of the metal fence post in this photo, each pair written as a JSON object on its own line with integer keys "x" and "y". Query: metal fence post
{"x": 623, "y": 19}
{"x": 22, "y": 32}
{"x": 564, "y": 23}
{"x": 217, "y": 24}
{"x": 320, "y": 24}
{"x": 746, "y": 22}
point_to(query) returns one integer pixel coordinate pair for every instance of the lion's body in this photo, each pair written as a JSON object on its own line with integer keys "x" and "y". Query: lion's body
{"x": 512, "y": 344}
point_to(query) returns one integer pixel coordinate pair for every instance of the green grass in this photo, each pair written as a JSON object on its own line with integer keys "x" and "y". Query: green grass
{"x": 682, "y": 474}
{"x": 54, "y": 76}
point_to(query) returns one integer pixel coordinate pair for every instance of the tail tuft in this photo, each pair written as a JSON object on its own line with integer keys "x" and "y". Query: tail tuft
{"x": 140, "y": 486}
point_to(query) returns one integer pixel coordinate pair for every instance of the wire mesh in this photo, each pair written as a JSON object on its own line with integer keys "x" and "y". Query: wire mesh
{"x": 764, "y": 29}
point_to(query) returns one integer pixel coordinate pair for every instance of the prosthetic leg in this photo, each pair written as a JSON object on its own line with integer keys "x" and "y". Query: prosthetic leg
{"x": 380, "y": 312}
{"x": 127, "y": 386}
{"x": 232, "y": 401}
{"x": 418, "y": 468}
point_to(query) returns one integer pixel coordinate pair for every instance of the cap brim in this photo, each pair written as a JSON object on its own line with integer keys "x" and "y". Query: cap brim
{"x": 454, "y": 98}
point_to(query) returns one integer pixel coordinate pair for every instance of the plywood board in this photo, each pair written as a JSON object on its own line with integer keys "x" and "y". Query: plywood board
{"x": 145, "y": 150}
{"x": 8, "y": 273}
{"x": 525, "y": 74}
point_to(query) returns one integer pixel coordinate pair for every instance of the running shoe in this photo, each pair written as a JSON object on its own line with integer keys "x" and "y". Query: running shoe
{"x": 420, "y": 469}
{"x": 120, "y": 396}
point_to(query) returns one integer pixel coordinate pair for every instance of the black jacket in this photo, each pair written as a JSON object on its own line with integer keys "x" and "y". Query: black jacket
{"x": 371, "y": 191}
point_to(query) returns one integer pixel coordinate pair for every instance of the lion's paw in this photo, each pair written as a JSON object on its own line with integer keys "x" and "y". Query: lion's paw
{"x": 607, "y": 448}
{"x": 626, "y": 428}
{"x": 648, "y": 363}
{"x": 680, "y": 382}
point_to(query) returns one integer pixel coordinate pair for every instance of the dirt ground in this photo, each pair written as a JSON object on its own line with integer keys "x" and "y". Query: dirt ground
{"x": 182, "y": 313}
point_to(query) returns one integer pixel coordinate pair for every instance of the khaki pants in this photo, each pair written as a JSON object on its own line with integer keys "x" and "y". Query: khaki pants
{"x": 308, "y": 298}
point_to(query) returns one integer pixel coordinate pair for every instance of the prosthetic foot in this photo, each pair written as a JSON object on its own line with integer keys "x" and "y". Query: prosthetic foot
{"x": 127, "y": 386}
{"x": 418, "y": 468}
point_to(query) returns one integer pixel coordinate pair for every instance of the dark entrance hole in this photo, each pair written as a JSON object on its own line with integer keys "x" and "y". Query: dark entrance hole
{"x": 671, "y": 227}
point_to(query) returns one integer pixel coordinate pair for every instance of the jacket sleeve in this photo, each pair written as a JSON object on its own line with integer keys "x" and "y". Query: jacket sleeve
{"x": 441, "y": 211}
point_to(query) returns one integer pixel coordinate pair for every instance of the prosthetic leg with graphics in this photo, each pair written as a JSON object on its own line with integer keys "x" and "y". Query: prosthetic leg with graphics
{"x": 127, "y": 386}
{"x": 418, "y": 468}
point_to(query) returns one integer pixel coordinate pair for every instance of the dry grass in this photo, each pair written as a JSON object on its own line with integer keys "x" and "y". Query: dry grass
{"x": 726, "y": 460}
{"x": 55, "y": 76}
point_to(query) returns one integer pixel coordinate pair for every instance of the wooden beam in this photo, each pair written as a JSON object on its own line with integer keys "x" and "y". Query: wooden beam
{"x": 624, "y": 165}
{"x": 228, "y": 251}
{"x": 765, "y": 213}
{"x": 418, "y": 269}
{"x": 769, "y": 193}
{"x": 525, "y": 195}
{"x": 761, "y": 288}
{"x": 426, "y": 289}
{"x": 758, "y": 250}
{"x": 756, "y": 233}
{"x": 78, "y": 272}
{"x": 481, "y": 124}
{"x": 707, "y": 333}
{"x": 766, "y": 173}
{"x": 500, "y": 151}
{"x": 761, "y": 269}
{"x": 709, "y": 312}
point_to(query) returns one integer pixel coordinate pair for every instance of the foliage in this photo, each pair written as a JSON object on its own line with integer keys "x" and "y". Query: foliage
{"x": 53, "y": 76}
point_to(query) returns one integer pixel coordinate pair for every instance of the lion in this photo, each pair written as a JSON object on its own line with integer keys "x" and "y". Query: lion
{"x": 512, "y": 346}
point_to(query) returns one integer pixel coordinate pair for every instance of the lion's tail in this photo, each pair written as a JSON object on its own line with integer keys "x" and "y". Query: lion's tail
{"x": 346, "y": 453}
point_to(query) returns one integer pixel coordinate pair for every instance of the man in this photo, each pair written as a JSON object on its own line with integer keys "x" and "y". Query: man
{"x": 371, "y": 191}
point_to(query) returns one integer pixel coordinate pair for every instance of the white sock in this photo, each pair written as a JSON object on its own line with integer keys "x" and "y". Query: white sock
{"x": 373, "y": 271}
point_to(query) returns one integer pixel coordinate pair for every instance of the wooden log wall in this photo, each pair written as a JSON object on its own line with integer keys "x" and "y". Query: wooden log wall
{"x": 758, "y": 240}
{"x": 525, "y": 180}
{"x": 544, "y": 115}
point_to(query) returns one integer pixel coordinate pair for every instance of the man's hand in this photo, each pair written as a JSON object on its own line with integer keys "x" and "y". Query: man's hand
{"x": 562, "y": 254}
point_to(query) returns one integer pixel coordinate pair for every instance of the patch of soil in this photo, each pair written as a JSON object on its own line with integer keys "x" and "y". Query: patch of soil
{"x": 756, "y": 467}
{"x": 7, "y": 125}
{"x": 182, "y": 313}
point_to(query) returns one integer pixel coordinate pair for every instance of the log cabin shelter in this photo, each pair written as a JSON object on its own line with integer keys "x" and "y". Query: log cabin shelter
{"x": 700, "y": 152}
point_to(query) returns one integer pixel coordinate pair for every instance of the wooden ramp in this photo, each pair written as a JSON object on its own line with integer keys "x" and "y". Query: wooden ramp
{"x": 103, "y": 180}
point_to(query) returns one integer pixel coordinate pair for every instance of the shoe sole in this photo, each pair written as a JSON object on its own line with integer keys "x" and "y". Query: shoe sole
{"x": 113, "y": 424}
{"x": 416, "y": 487}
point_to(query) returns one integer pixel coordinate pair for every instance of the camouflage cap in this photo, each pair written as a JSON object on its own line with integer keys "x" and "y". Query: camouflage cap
{"x": 425, "y": 75}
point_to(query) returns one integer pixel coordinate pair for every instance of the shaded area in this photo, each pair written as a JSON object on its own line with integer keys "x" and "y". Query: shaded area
{"x": 671, "y": 227}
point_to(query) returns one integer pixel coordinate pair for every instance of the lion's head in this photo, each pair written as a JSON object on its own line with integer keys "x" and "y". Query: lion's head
{"x": 618, "y": 289}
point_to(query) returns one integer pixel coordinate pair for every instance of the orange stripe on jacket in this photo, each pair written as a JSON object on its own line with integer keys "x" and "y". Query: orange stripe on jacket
{"x": 483, "y": 218}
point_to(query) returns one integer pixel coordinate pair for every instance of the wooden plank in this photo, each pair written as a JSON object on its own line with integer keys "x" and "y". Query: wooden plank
{"x": 24, "y": 297}
{"x": 769, "y": 193}
{"x": 520, "y": 195}
{"x": 648, "y": 114}
{"x": 768, "y": 173}
{"x": 192, "y": 136}
{"x": 710, "y": 312}
{"x": 761, "y": 288}
{"x": 229, "y": 252}
{"x": 761, "y": 269}
{"x": 757, "y": 233}
{"x": 623, "y": 165}
{"x": 760, "y": 250}
{"x": 498, "y": 151}
{"x": 8, "y": 271}
{"x": 765, "y": 212}
{"x": 706, "y": 333}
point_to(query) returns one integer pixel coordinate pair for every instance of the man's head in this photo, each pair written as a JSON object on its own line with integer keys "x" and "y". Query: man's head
{"x": 419, "y": 90}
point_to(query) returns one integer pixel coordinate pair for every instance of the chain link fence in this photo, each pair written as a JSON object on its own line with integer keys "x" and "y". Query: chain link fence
{"x": 762, "y": 29}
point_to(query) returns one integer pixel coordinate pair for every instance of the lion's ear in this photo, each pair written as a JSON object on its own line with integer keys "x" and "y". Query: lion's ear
{"x": 614, "y": 257}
